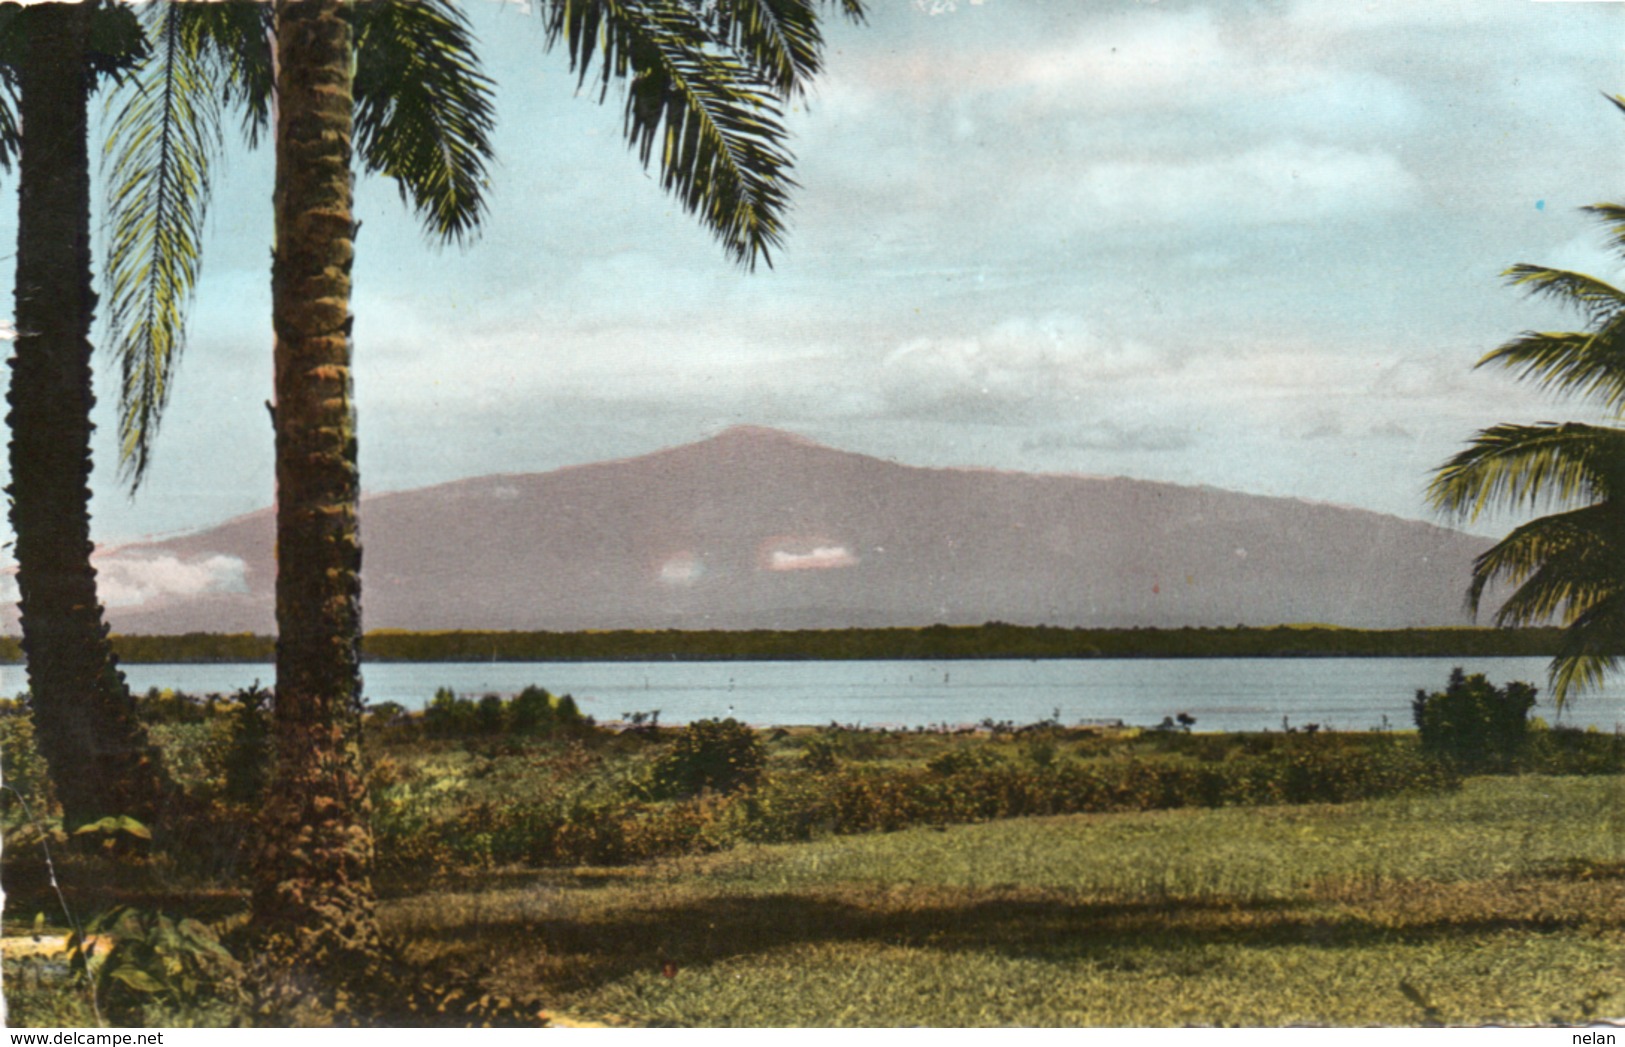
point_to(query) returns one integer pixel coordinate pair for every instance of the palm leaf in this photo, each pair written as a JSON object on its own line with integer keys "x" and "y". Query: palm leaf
{"x": 1599, "y": 300}
{"x": 164, "y": 138}
{"x": 1589, "y": 650}
{"x": 424, "y": 110}
{"x": 1590, "y": 364}
{"x": 717, "y": 119}
{"x": 1560, "y": 562}
{"x": 1531, "y": 466}
{"x": 1612, "y": 216}
{"x": 11, "y": 139}
{"x": 237, "y": 36}
{"x": 780, "y": 38}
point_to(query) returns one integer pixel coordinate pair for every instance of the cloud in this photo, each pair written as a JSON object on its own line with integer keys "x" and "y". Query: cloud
{"x": 805, "y": 558}
{"x": 1111, "y": 436}
{"x": 683, "y": 569}
{"x": 130, "y": 581}
{"x": 1281, "y": 182}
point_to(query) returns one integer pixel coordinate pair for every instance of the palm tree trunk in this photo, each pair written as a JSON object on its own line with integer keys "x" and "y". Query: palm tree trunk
{"x": 97, "y": 750}
{"x": 313, "y": 897}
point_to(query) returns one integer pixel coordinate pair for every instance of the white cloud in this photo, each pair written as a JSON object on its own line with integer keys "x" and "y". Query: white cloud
{"x": 784, "y": 554}
{"x": 1275, "y": 183}
{"x": 683, "y": 569}
{"x": 130, "y": 581}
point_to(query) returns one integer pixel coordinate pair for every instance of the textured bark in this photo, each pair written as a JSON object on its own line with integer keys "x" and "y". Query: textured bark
{"x": 97, "y": 750}
{"x": 313, "y": 898}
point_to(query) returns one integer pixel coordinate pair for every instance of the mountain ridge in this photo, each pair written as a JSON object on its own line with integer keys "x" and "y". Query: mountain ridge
{"x": 759, "y": 528}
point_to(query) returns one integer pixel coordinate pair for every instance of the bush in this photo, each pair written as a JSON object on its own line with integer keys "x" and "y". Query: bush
{"x": 449, "y": 716}
{"x": 1474, "y": 723}
{"x": 382, "y": 715}
{"x": 820, "y": 754}
{"x": 963, "y": 761}
{"x": 488, "y": 714}
{"x": 248, "y": 755}
{"x": 22, "y": 767}
{"x": 720, "y": 755}
{"x": 531, "y": 711}
{"x": 1572, "y": 750}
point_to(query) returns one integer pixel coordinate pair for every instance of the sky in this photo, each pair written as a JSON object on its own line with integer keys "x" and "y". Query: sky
{"x": 1254, "y": 244}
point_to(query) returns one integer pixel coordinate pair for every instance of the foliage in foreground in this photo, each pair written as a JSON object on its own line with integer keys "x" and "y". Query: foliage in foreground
{"x": 1502, "y": 902}
{"x": 448, "y": 808}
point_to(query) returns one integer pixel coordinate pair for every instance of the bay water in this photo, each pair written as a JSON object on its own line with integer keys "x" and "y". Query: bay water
{"x": 1223, "y": 694}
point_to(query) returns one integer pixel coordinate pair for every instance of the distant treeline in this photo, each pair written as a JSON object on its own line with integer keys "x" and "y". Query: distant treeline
{"x": 993, "y": 640}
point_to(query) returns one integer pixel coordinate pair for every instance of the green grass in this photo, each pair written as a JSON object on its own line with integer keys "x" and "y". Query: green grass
{"x": 1499, "y": 901}
{"x": 1502, "y": 903}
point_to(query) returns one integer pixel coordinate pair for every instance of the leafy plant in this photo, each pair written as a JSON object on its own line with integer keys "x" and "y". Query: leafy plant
{"x": 1475, "y": 723}
{"x": 248, "y": 755}
{"x": 965, "y": 761}
{"x": 820, "y": 754}
{"x": 132, "y": 958}
{"x": 720, "y": 755}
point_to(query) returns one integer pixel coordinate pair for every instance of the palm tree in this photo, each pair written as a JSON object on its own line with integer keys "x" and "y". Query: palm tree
{"x": 1568, "y": 565}
{"x": 423, "y": 117}
{"x": 419, "y": 111}
{"x": 707, "y": 81}
{"x": 101, "y": 762}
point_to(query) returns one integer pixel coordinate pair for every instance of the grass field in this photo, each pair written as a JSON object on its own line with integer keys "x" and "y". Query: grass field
{"x": 1502, "y": 903}
{"x": 593, "y": 871}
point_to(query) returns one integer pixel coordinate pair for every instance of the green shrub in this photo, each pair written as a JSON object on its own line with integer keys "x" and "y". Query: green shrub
{"x": 248, "y": 754}
{"x": 382, "y": 715}
{"x": 1572, "y": 750}
{"x": 165, "y": 706}
{"x": 448, "y": 716}
{"x": 820, "y": 753}
{"x": 967, "y": 760}
{"x": 531, "y": 711}
{"x": 22, "y": 767}
{"x": 488, "y": 714}
{"x": 719, "y": 755}
{"x": 566, "y": 713}
{"x": 155, "y": 966}
{"x": 1474, "y": 723}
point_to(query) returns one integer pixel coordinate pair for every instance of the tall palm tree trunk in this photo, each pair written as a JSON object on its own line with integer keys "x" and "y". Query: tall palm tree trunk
{"x": 313, "y": 894}
{"x": 97, "y": 750}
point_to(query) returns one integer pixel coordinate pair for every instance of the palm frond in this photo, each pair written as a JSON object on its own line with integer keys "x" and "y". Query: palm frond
{"x": 1589, "y": 650}
{"x": 1560, "y": 563}
{"x": 1589, "y": 364}
{"x": 1599, "y": 300}
{"x": 236, "y": 36}
{"x": 163, "y": 141}
{"x": 1531, "y": 466}
{"x": 852, "y": 9}
{"x": 11, "y": 139}
{"x": 780, "y": 38}
{"x": 718, "y": 119}
{"x": 424, "y": 110}
{"x": 1613, "y": 217}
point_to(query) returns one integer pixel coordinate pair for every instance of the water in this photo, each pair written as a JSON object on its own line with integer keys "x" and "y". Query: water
{"x": 1232, "y": 694}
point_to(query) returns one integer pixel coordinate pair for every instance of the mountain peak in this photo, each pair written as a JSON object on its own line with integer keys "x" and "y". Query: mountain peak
{"x": 760, "y": 434}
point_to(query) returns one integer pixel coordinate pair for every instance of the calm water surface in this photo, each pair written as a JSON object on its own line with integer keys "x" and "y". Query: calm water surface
{"x": 1231, "y": 694}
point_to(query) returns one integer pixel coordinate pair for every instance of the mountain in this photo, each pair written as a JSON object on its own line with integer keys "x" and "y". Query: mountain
{"x": 759, "y": 528}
